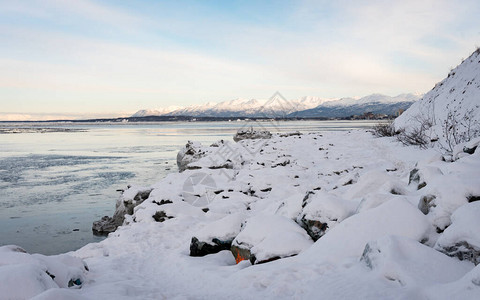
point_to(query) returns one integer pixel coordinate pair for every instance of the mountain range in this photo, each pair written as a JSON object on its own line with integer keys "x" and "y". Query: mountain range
{"x": 278, "y": 107}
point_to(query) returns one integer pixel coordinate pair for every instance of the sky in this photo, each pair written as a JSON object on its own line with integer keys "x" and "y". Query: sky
{"x": 81, "y": 58}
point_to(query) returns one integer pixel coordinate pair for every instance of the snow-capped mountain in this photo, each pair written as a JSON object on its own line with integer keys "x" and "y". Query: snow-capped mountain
{"x": 279, "y": 107}
{"x": 155, "y": 112}
{"x": 345, "y": 107}
{"x": 454, "y": 100}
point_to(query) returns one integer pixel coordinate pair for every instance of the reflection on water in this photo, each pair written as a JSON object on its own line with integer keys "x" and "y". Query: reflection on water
{"x": 54, "y": 184}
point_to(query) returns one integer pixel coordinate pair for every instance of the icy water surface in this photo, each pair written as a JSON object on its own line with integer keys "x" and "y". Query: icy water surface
{"x": 57, "y": 178}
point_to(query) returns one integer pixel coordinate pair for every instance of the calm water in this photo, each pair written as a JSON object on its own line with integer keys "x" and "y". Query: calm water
{"x": 53, "y": 185}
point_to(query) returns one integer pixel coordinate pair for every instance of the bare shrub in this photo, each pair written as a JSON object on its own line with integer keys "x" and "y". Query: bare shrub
{"x": 415, "y": 137}
{"x": 418, "y": 134}
{"x": 384, "y": 129}
{"x": 458, "y": 129}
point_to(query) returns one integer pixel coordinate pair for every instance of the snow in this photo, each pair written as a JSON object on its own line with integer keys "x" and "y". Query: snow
{"x": 457, "y": 94}
{"x": 227, "y": 228}
{"x": 378, "y": 245}
{"x": 24, "y": 275}
{"x": 390, "y": 257}
{"x": 271, "y": 236}
{"x": 395, "y": 217}
{"x": 465, "y": 227}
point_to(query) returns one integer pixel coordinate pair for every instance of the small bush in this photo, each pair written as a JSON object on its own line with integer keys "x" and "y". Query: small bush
{"x": 415, "y": 137}
{"x": 384, "y": 129}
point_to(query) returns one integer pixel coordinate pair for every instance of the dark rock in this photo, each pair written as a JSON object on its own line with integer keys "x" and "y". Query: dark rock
{"x": 314, "y": 228}
{"x": 161, "y": 216}
{"x": 251, "y": 134}
{"x": 199, "y": 248}
{"x": 74, "y": 282}
{"x": 106, "y": 225}
{"x": 142, "y": 196}
{"x": 227, "y": 165}
{"x": 414, "y": 176}
{"x": 472, "y": 198}
{"x": 463, "y": 251}
{"x": 421, "y": 185}
{"x": 426, "y": 203}
{"x": 123, "y": 207}
{"x": 162, "y": 202}
{"x": 296, "y": 133}
{"x": 470, "y": 150}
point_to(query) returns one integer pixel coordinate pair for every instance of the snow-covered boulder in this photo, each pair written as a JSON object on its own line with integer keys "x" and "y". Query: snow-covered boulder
{"x": 375, "y": 182}
{"x": 421, "y": 175}
{"x": 125, "y": 205}
{"x": 269, "y": 237}
{"x": 152, "y": 212}
{"x": 462, "y": 238}
{"x": 192, "y": 152}
{"x": 251, "y": 134}
{"x": 217, "y": 235}
{"x": 348, "y": 238}
{"x": 411, "y": 263}
{"x": 322, "y": 211}
{"x": 24, "y": 275}
{"x": 23, "y": 281}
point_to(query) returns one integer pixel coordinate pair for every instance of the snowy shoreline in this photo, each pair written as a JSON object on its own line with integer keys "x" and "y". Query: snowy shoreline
{"x": 355, "y": 194}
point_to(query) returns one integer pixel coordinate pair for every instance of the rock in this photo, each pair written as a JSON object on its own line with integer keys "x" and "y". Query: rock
{"x": 404, "y": 260}
{"x": 198, "y": 248}
{"x": 161, "y": 216}
{"x": 192, "y": 152}
{"x": 24, "y": 275}
{"x": 426, "y": 203}
{"x": 129, "y": 199}
{"x": 251, "y": 134}
{"x": 269, "y": 237}
{"x": 287, "y": 134}
{"x": 421, "y": 176}
{"x": 216, "y": 236}
{"x": 322, "y": 211}
{"x": 106, "y": 225}
{"x": 462, "y": 238}
{"x": 465, "y": 149}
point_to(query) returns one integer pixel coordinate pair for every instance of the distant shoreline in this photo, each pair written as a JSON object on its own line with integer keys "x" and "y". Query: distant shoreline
{"x": 195, "y": 119}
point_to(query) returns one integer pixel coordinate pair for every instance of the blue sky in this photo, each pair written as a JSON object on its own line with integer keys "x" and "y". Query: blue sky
{"x": 61, "y": 58}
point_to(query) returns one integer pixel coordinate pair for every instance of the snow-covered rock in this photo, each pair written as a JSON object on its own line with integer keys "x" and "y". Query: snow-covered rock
{"x": 269, "y": 237}
{"x": 129, "y": 199}
{"x": 322, "y": 211}
{"x": 395, "y": 217}
{"x": 217, "y": 235}
{"x": 24, "y": 275}
{"x": 251, "y": 134}
{"x": 404, "y": 260}
{"x": 462, "y": 238}
{"x": 192, "y": 152}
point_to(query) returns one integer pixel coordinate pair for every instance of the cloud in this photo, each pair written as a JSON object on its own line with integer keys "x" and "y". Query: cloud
{"x": 90, "y": 56}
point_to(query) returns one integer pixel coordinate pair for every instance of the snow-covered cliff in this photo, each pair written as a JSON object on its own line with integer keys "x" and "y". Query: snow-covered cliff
{"x": 451, "y": 110}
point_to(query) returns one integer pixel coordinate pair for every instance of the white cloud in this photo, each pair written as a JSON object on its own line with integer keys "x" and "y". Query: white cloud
{"x": 328, "y": 49}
